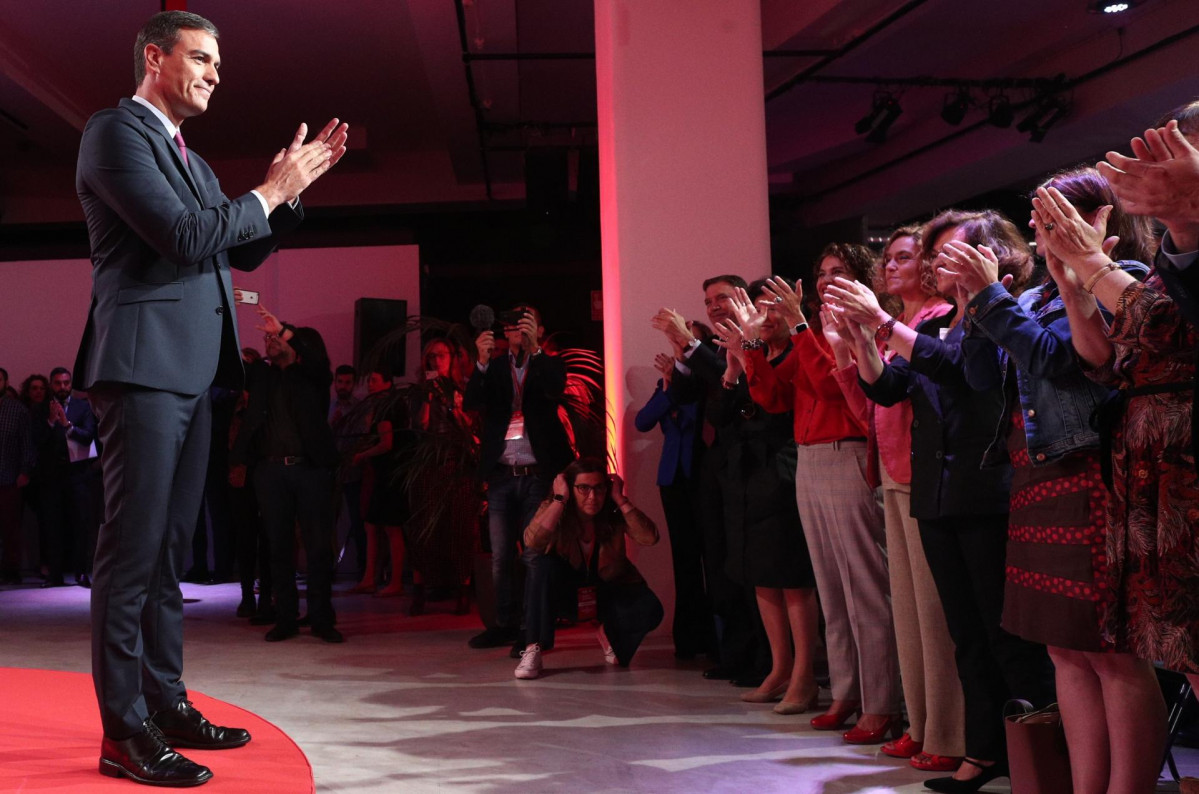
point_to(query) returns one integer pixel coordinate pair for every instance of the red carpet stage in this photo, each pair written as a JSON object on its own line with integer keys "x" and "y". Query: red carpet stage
{"x": 50, "y": 741}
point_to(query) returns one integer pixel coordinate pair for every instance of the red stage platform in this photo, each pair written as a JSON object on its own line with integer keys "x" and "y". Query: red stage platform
{"x": 50, "y": 741}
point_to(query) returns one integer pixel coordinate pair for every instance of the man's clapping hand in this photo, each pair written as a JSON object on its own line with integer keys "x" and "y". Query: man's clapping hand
{"x": 301, "y": 164}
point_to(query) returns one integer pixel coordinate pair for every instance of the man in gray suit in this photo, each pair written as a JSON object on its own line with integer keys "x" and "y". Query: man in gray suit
{"x": 159, "y": 333}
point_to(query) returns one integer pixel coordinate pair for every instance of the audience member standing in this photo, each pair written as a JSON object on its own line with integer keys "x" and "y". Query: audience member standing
{"x": 681, "y": 421}
{"x": 65, "y": 437}
{"x": 961, "y": 508}
{"x": 348, "y": 432}
{"x": 524, "y": 446}
{"x": 17, "y": 459}
{"x": 286, "y": 432}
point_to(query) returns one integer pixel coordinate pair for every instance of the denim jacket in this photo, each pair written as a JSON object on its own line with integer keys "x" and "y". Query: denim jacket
{"x": 1031, "y": 334}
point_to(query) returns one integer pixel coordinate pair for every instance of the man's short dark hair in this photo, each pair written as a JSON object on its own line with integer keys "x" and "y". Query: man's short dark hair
{"x": 734, "y": 281}
{"x": 345, "y": 369}
{"x": 54, "y": 373}
{"x": 162, "y": 30}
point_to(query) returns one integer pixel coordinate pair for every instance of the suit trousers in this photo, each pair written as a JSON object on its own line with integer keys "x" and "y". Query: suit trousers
{"x": 692, "y": 627}
{"x": 843, "y": 524}
{"x": 511, "y": 504}
{"x": 931, "y": 689}
{"x": 303, "y": 495}
{"x": 155, "y": 456}
{"x": 967, "y": 555}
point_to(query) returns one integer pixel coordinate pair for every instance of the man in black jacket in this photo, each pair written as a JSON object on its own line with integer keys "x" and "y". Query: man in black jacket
{"x": 524, "y": 446}
{"x": 286, "y": 436}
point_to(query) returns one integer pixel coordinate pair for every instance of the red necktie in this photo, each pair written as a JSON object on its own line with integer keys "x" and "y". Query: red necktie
{"x": 182, "y": 146}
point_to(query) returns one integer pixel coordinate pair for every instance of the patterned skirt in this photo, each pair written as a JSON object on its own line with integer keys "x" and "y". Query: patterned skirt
{"x": 1057, "y": 590}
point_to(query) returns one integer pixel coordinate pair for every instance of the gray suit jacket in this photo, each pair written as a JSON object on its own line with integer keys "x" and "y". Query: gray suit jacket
{"x": 163, "y": 238}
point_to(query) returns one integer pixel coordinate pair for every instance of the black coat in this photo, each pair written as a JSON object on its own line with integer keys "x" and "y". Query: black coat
{"x": 491, "y": 394}
{"x": 952, "y": 425}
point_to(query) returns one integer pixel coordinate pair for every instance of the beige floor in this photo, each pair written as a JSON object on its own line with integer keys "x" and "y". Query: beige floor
{"x": 405, "y": 706}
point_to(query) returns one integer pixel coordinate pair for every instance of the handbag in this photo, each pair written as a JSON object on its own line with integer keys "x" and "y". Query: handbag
{"x": 1038, "y": 758}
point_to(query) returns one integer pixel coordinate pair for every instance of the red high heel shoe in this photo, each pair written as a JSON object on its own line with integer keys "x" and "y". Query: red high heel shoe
{"x": 903, "y": 747}
{"x": 833, "y": 720}
{"x": 856, "y": 735}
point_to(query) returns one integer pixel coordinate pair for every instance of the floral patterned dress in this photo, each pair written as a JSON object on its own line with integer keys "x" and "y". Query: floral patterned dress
{"x": 1153, "y": 507}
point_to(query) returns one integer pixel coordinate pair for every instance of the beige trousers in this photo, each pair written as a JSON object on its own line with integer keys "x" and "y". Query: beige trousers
{"x": 843, "y": 523}
{"x": 931, "y": 687}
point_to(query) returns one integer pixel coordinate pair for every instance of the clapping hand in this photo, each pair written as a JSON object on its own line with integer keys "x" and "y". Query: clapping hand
{"x": 1160, "y": 180}
{"x": 1080, "y": 245}
{"x": 674, "y": 325}
{"x": 972, "y": 269}
{"x": 855, "y": 302}
{"x": 664, "y": 363}
{"x": 789, "y": 301}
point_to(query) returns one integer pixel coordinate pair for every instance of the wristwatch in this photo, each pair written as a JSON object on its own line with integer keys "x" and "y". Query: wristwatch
{"x": 559, "y": 497}
{"x": 884, "y": 331}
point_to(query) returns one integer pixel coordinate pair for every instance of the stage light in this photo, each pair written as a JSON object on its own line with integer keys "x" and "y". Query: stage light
{"x": 864, "y": 124}
{"x": 999, "y": 111}
{"x": 1112, "y": 6}
{"x": 954, "y": 108}
{"x": 890, "y": 111}
{"x": 1058, "y": 108}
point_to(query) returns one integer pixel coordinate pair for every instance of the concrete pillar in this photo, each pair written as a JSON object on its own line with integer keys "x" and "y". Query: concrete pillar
{"x": 683, "y": 195}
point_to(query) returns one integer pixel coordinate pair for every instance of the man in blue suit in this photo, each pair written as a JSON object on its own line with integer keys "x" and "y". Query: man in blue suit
{"x": 159, "y": 333}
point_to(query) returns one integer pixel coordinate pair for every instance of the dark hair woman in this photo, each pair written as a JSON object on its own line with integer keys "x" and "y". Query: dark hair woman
{"x": 962, "y": 510}
{"x": 575, "y": 554}
{"x": 1057, "y": 538}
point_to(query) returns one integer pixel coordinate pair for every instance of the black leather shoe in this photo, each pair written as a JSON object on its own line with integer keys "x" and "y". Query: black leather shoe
{"x": 495, "y": 637}
{"x": 721, "y": 672}
{"x": 281, "y": 632}
{"x": 184, "y": 726}
{"x": 951, "y": 785}
{"x": 328, "y": 634}
{"x": 146, "y": 758}
{"x": 246, "y": 608}
{"x": 266, "y": 616}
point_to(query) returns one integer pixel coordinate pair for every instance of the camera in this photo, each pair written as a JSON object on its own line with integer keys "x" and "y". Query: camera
{"x": 511, "y": 317}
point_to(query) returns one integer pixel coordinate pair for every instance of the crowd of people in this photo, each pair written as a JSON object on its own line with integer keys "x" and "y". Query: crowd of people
{"x": 974, "y": 476}
{"x": 994, "y": 469}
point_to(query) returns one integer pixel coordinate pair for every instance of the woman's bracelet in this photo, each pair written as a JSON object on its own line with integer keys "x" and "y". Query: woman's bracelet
{"x": 1109, "y": 268}
{"x": 752, "y": 344}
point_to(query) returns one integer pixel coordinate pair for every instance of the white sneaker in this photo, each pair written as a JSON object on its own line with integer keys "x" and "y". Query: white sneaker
{"x": 609, "y": 654}
{"x": 530, "y": 662}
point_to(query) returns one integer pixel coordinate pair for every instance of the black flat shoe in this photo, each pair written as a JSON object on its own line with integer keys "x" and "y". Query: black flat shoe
{"x": 145, "y": 758}
{"x": 246, "y": 608}
{"x": 328, "y": 634}
{"x": 951, "y": 785}
{"x": 281, "y": 632}
{"x": 721, "y": 673}
{"x": 184, "y": 726}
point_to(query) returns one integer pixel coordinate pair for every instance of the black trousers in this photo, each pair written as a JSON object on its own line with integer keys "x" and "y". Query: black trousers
{"x": 966, "y": 556}
{"x": 155, "y": 455}
{"x": 287, "y": 496}
{"x": 253, "y": 549}
{"x": 693, "y": 629}
{"x": 628, "y": 612}
{"x": 741, "y": 641}
{"x": 65, "y": 518}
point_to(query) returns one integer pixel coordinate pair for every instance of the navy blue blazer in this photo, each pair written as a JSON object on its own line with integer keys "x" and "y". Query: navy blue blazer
{"x": 163, "y": 238}
{"x": 682, "y": 439}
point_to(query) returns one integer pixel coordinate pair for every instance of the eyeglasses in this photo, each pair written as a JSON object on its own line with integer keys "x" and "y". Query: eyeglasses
{"x": 587, "y": 490}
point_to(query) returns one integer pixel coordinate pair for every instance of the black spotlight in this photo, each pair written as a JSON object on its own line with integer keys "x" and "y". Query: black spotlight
{"x": 877, "y": 105}
{"x": 999, "y": 111}
{"x": 1057, "y": 109}
{"x": 890, "y": 111}
{"x": 953, "y": 110}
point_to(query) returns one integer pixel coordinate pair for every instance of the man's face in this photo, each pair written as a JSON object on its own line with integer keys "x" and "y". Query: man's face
{"x": 718, "y": 301}
{"x": 343, "y": 385}
{"x": 187, "y": 76}
{"x": 60, "y": 384}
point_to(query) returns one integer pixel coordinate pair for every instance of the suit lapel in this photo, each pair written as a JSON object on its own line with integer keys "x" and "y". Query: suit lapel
{"x": 155, "y": 126}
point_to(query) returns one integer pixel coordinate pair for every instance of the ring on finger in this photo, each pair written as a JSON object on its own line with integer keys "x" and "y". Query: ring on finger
{"x": 1050, "y": 226}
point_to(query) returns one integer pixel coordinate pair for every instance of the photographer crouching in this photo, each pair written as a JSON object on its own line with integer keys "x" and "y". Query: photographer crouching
{"x": 577, "y": 567}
